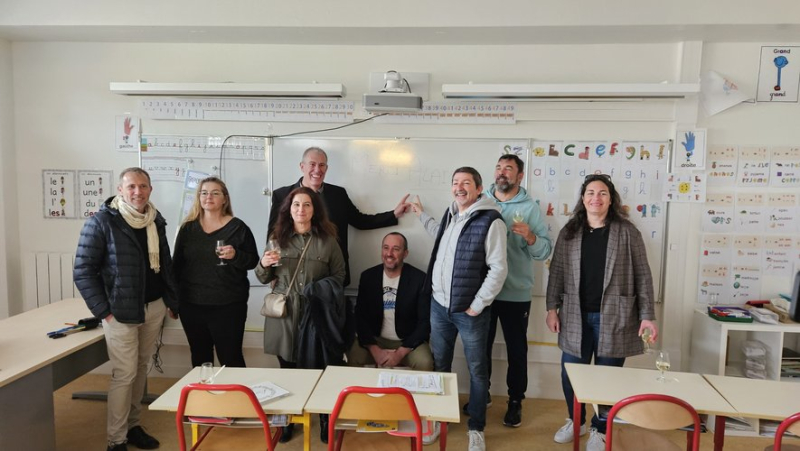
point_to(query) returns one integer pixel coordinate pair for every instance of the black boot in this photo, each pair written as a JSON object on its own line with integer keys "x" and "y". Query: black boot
{"x": 287, "y": 433}
{"x": 323, "y": 427}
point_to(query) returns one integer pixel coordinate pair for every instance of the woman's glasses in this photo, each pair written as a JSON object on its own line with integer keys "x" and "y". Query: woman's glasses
{"x": 602, "y": 177}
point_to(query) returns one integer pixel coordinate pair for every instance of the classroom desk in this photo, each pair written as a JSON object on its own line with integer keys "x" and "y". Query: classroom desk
{"x": 606, "y": 385}
{"x": 299, "y": 383}
{"x": 442, "y": 408}
{"x": 33, "y": 366}
{"x": 754, "y": 398}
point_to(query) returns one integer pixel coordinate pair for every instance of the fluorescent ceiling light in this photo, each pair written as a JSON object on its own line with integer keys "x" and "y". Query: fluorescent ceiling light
{"x": 570, "y": 91}
{"x": 229, "y": 89}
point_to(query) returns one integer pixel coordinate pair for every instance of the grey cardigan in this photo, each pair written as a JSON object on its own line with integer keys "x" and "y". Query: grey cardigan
{"x": 627, "y": 292}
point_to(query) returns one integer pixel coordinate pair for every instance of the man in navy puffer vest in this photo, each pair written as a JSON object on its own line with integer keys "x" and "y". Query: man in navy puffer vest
{"x": 466, "y": 272}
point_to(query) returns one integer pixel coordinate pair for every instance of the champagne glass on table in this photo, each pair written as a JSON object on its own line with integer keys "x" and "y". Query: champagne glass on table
{"x": 662, "y": 363}
{"x": 220, "y": 245}
{"x": 275, "y": 248}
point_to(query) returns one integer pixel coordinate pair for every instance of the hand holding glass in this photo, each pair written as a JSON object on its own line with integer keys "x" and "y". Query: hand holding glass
{"x": 275, "y": 248}
{"x": 646, "y": 340}
{"x": 518, "y": 217}
{"x": 220, "y": 245}
{"x": 662, "y": 363}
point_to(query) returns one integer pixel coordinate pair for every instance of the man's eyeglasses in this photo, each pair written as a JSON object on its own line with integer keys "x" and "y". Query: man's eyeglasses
{"x": 602, "y": 177}
{"x": 210, "y": 193}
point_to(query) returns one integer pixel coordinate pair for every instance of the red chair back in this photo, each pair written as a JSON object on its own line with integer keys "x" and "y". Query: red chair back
{"x": 221, "y": 400}
{"x": 374, "y": 403}
{"x": 659, "y": 412}
{"x": 791, "y": 424}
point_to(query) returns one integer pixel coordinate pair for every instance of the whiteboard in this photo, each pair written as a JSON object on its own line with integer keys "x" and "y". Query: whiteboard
{"x": 377, "y": 173}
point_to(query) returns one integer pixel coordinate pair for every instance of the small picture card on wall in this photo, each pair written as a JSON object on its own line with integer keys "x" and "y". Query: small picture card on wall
{"x": 721, "y": 165}
{"x": 753, "y": 169}
{"x": 59, "y": 193}
{"x": 690, "y": 150}
{"x": 779, "y": 74}
{"x": 784, "y": 167}
{"x": 94, "y": 187}
{"x": 685, "y": 188}
{"x": 127, "y": 131}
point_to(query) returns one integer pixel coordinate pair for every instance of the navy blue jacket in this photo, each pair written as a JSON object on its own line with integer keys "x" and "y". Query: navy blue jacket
{"x": 110, "y": 267}
{"x": 470, "y": 260}
{"x": 412, "y": 317}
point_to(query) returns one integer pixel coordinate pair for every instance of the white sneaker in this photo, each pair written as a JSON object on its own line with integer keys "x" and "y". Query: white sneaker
{"x": 429, "y": 439}
{"x": 565, "y": 434}
{"x": 597, "y": 441}
{"x": 476, "y": 441}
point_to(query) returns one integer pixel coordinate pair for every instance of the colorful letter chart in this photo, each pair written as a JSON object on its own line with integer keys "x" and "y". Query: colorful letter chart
{"x": 746, "y": 250}
{"x": 777, "y": 256}
{"x": 59, "y": 194}
{"x": 782, "y": 213}
{"x": 719, "y": 213}
{"x": 714, "y": 280}
{"x": 745, "y": 282}
{"x": 750, "y": 212}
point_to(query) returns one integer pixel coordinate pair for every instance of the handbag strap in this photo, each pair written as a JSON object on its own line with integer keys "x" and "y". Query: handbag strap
{"x": 299, "y": 263}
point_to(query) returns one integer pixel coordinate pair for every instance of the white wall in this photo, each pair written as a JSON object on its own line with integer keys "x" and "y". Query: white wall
{"x": 9, "y": 233}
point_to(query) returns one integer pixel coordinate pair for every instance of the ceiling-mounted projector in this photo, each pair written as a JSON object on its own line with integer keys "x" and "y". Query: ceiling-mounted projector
{"x": 392, "y": 102}
{"x": 395, "y": 97}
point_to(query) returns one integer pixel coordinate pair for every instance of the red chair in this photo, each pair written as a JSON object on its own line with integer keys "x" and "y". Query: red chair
{"x": 226, "y": 401}
{"x": 791, "y": 424}
{"x": 657, "y": 412}
{"x": 373, "y": 403}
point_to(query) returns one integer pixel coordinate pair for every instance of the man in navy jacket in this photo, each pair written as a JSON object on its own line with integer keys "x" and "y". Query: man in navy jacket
{"x": 392, "y": 315}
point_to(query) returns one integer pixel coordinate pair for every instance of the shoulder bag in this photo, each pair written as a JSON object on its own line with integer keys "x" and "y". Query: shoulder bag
{"x": 275, "y": 303}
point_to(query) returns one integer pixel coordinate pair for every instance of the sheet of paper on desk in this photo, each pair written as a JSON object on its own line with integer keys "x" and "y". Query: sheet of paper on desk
{"x": 428, "y": 383}
{"x": 267, "y": 391}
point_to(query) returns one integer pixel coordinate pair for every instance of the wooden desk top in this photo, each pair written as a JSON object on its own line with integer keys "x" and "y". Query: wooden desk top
{"x": 299, "y": 383}
{"x": 431, "y": 407}
{"x": 608, "y": 384}
{"x": 25, "y": 346}
{"x": 753, "y": 398}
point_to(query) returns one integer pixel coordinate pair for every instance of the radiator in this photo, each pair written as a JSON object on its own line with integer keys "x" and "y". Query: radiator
{"x": 47, "y": 278}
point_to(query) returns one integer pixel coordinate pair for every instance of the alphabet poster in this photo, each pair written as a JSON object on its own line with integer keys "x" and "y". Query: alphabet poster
{"x": 94, "y": 187}
{"x": 59, "y": 194}
{"x": 779, "y": 74}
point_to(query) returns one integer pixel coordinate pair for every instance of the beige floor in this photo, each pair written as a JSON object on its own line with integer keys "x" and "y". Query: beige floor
{"x": 80, "y": 425}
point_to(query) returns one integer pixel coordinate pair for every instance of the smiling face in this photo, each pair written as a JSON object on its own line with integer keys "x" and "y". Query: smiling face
{"x": 135, "y": 189}
{"x": 393, "y": 252}
{"x": 507, "y": 175}
{"x": 465, "y": 190}
{"x": 314, "y": 167}
{"x": 212, "y": 197}
{"x": 302, "y": 209}
{"x": 597, "y": 199}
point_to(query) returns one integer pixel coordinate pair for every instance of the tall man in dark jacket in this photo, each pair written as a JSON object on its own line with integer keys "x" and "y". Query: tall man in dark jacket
{"x": 392, "y": 314}
{"x": 466, "y": 272}
{"x": 123, "y": 270}
{"x": 341, "y": 210}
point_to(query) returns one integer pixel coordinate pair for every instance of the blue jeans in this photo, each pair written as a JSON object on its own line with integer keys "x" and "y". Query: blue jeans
{"x": 445, "y": 326}
{"x": 590, "y": 339}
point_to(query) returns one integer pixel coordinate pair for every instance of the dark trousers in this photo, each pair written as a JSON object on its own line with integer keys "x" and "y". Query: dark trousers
{"x": 590, "y": 338}
{"x": 219, "y": 327}
{"x": 514, "y": 320}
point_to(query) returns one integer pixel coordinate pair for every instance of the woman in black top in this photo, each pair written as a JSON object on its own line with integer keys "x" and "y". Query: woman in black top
{"x": 213, "y": 297}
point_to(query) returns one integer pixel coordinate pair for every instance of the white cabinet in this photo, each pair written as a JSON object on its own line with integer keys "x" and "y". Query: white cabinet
{"x": 717, "y": 349}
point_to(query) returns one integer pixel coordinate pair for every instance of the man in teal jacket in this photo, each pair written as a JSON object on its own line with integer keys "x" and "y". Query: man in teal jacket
{"x": 527, "y": 241}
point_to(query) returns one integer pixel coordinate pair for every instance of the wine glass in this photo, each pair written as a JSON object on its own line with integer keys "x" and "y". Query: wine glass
{"x": 646, "y": 340}
{"x": 207, "y": 373}
{"x": 518, "y": 217}
{"x": 275, "y": 248}
{"x": 662, "y": 363}
{"x": 220, "y": 245}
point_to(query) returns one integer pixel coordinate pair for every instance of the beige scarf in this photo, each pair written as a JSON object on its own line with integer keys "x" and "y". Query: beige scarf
{"x": 140, "y": 220}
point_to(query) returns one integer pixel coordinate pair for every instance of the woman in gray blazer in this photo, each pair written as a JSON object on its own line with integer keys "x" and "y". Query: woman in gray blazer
{"x": 600, "y": 292}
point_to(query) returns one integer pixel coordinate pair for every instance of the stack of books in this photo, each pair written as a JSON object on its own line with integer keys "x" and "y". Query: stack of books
{"x": 790, "y": 363}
